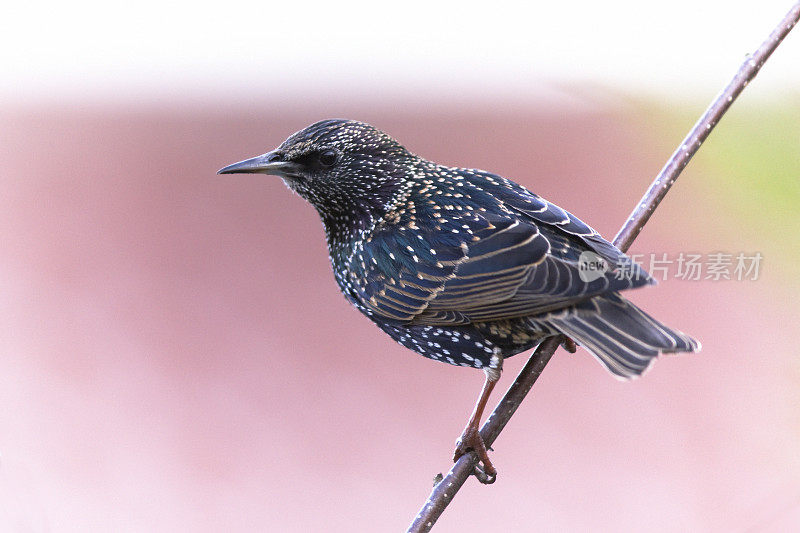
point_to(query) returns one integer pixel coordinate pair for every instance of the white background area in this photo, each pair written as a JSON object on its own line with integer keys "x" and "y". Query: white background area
{"x": 89, "y": 49}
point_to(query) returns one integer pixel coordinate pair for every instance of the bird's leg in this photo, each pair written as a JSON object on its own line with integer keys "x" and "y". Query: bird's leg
{"x": 471, "y": 437}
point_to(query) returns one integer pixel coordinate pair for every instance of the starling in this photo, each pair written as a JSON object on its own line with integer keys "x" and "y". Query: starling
{"x": 461, "y": 265}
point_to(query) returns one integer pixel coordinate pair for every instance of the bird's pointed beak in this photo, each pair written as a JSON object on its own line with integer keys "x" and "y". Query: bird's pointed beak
{"x": 269, "y": 163}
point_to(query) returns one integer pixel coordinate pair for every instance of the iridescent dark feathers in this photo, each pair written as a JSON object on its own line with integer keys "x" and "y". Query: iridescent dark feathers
{"x": 461, "y": 265}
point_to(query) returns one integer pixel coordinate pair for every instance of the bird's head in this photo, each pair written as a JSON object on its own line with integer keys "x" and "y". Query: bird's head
{"x": 349, "y": 171}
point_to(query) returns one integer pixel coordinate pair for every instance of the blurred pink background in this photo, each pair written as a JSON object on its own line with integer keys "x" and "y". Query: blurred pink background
{"x": 175, "y": 356}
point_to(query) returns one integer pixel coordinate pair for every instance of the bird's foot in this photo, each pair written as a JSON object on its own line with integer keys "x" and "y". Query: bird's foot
{"x": 569, "y": 345}
{"x": 471, "y": 440}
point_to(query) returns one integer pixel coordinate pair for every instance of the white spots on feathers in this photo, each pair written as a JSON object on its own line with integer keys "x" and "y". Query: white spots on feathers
{"x": 376, "y": 199}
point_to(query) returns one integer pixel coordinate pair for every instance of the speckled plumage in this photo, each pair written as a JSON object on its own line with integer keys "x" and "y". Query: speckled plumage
{"x": 460, "y": 265}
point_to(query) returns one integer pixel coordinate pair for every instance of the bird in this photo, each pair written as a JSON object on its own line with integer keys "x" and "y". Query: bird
{"x": 461, "y": 265}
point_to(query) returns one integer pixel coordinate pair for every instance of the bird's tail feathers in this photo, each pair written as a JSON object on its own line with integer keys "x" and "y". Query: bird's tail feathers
{"x": 625, "y": 339}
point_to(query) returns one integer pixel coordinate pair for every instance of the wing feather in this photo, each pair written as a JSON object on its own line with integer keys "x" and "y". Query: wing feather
{"x": 520, "y": 259}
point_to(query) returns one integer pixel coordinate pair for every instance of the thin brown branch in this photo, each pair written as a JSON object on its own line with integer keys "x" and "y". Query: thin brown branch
{"x": 701, "y": 130}
{"x": 445, "y": 490}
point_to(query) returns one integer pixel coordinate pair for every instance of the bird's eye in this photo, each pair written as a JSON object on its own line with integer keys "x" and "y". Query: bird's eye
{"x": 327, "y": 158}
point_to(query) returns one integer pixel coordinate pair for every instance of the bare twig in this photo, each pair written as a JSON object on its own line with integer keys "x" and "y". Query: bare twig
{"x": 642, "y": 212}
{"x": 445, "y": 490}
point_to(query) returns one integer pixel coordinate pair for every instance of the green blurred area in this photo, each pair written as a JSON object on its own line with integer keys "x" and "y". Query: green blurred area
{"x": 746, "y": 176}
{"x": 756, "y": 155}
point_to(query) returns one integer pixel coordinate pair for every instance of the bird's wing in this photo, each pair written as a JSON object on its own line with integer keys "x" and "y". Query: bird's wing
{"x": 521, "y": 260}
{"x": 520, "y": 200}
{"x": 501, "y": 278}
